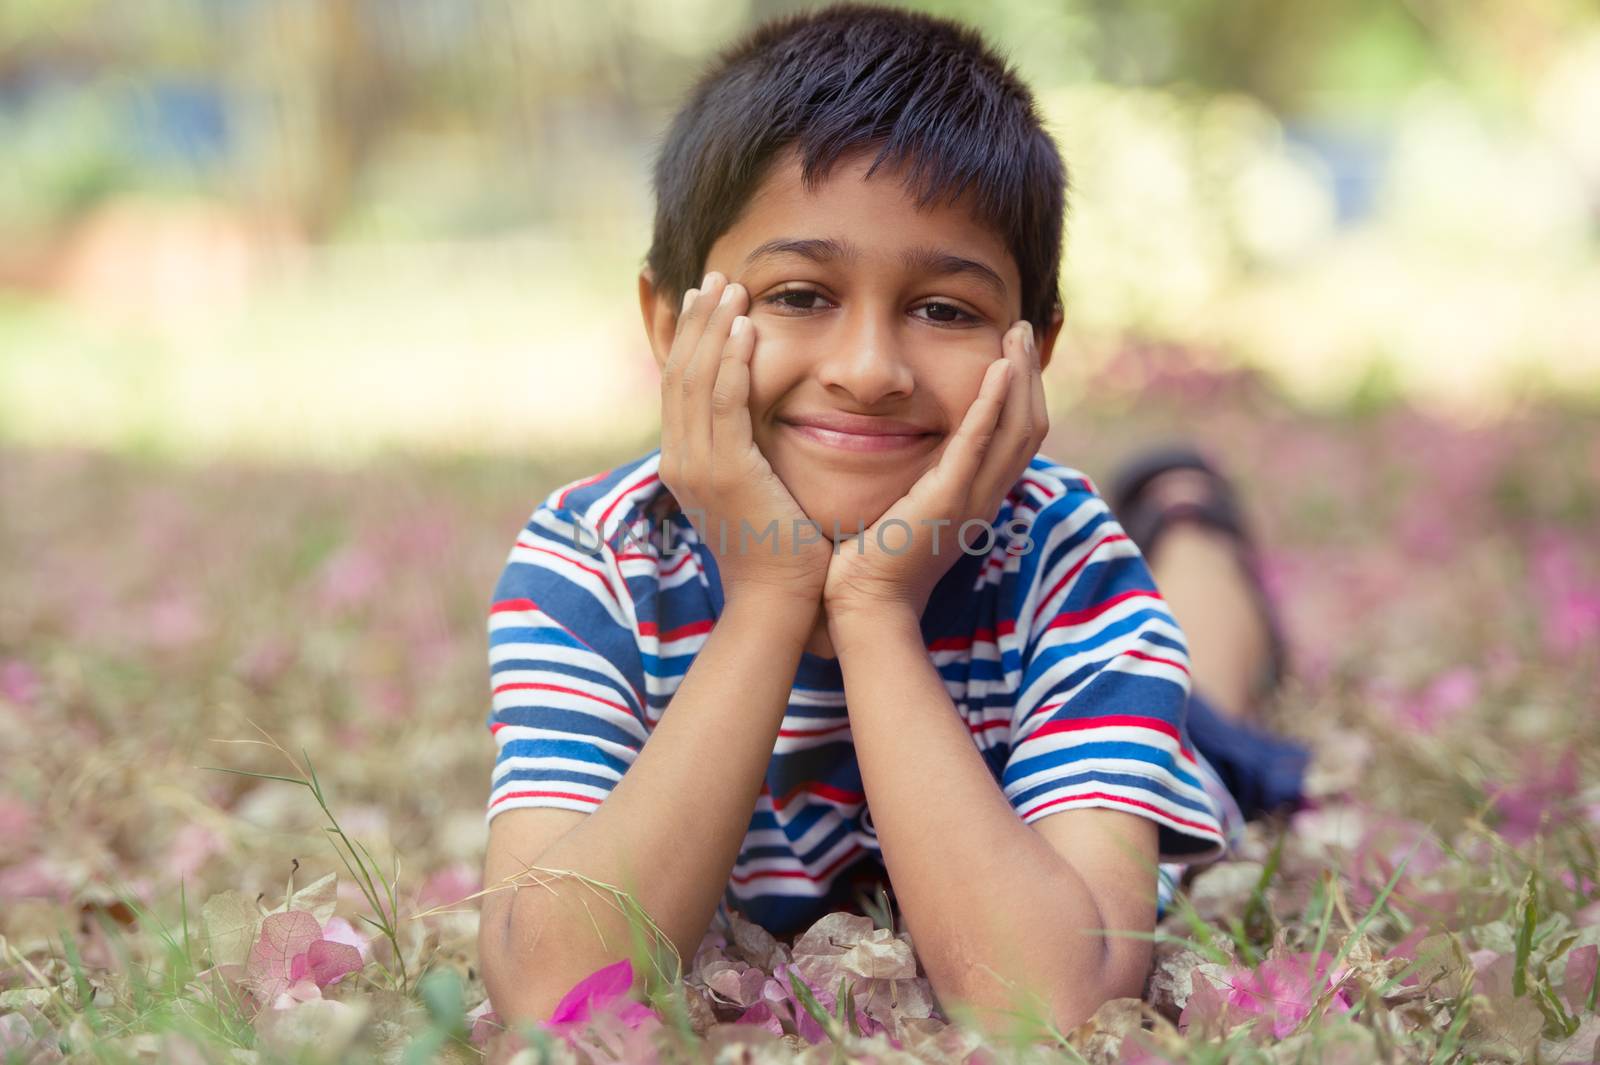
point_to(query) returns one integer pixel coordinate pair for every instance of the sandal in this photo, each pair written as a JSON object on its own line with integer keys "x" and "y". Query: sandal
{"x": 1145, "y": 520}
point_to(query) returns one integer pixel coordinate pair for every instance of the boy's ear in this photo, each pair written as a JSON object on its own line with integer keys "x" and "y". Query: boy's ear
{"x": 660, "y": 314}
{"x": 1047, "y": 343}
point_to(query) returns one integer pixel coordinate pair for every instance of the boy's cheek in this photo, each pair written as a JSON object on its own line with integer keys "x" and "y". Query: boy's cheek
{"x": 767, "y": 374}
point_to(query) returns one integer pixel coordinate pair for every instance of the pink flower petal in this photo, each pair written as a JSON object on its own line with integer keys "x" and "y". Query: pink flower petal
{"x": 190, "y": 847}
{"x": 1581, "y": 965}
{"x": 296, "y": 993}
{"x": 1280, "y": 991}
{"x": 598, "y": 1007}
{"x": 484, "y": 1024}
{"x": 38, "y": 877}
{"x": 596, "y": 989}
{"x": 330, "y": 962}
{"x": 19, "y": 682}
{"x": 762, "y": 1015}
{"x": 284, "y": 937}
{"x": 1206, "y": 1006}
{"x": 450, "y": 886}
{"x": 338, "y": 930}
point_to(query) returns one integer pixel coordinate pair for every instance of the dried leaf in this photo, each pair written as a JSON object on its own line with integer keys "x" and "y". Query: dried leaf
{"x": 1172, "y": 978}
{"x": 231, "y": 922}
{"x": 1100, "y": 1037}
{"x": 880, "y": 967}
{"x": 755, "y": 945}
{"x": 1223, "y": 889}
{"x": 1580, "y": 1048}
{"x": 734, "y": 983}
{"x": 320, "y": 1030}
{"x": 1579, "y": 983}
{"x": 318, "y": 898}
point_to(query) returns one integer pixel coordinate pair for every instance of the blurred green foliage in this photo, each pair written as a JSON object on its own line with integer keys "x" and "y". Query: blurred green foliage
{"x": 466, "y": 110}
{"x": 283, "y": 224}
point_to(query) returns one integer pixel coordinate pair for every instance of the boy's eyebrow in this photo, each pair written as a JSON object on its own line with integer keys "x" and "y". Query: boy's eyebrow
{"x": 929, "y": 259}
{"x": 923, "y": 257}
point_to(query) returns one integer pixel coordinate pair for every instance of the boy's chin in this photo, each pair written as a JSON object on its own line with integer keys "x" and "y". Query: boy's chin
{"x": 842, "y": 516}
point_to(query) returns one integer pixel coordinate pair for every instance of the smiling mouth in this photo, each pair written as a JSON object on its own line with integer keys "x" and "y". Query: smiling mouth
{"x": 859, "y": 442}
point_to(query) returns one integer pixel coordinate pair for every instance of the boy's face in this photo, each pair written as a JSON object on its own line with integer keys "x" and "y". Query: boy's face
{"x": 859, "y": 325}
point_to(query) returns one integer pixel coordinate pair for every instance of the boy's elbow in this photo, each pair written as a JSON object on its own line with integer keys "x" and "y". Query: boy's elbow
{"x": 516, "y": 995}
{"x": 1125, "y": 960}
{"x": 510, "y": 975}
{"x": 518, "y": 1007}
{"x": 1122, "y": 973}
{"x": 530, "y": 960}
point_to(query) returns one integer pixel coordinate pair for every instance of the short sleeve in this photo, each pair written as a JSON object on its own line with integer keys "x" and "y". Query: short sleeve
{"x": 1099, "y": 718}
{"x": 565, "y": 670}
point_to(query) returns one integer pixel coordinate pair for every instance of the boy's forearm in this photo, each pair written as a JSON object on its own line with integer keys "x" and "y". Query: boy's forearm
{"x": 955, "y": 849}
{"x": 671, "y": 829}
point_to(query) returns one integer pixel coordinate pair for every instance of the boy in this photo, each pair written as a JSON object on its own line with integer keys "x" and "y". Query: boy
{"x": 846, "y": 576}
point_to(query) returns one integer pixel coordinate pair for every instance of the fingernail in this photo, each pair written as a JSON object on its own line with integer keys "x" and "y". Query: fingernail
{"x": 688, "y": 298}
{"x": 738, "y": 325}
{"x": 727, "y": 296}
{"x": 705, "y": 282}
{"x": 1029, "y": 327}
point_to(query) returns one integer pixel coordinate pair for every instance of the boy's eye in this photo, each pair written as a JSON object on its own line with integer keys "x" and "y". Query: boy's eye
{"x": 782, "y": 299}
{"x": 947, "y": 307}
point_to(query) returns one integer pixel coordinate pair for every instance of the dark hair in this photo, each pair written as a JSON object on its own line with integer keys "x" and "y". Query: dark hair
{"x": 852, "y": 76}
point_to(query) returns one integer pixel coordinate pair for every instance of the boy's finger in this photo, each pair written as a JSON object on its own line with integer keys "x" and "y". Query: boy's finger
{"x": 1016, "y": 416}
{"x": 671, "y": 421}
{"x": 700, "y": 376}
{"x": 995, "y": 473}
{"x": 1036, "y": 400}
{"x": 690, "y": 324}
{"x": 975, "y": 435}
{"x": 731, "y": 430}
{"x": 694, "y": 441}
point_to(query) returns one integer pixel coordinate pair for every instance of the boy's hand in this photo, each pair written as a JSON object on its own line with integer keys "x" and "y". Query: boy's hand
{"x": 710, "y": 462}
{"x": 998, "y": 437}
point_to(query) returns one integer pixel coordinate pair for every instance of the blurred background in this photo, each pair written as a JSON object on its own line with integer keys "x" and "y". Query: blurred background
{"x": 320, "y": 228}
{"x": 305, "y": 305}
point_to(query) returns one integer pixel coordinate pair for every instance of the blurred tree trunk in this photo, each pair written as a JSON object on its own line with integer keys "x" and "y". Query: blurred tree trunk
{"x": 357, "y": 98}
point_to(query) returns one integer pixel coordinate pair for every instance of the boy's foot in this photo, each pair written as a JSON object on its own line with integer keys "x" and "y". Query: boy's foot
{"x": 1185, "y": 518}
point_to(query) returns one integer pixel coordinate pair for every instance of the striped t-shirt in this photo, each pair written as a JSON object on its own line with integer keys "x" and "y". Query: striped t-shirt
{"x": 1063, "y": 659}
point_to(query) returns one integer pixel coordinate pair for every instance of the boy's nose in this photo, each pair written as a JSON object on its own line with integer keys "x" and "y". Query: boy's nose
{"x": 867, "y": 361}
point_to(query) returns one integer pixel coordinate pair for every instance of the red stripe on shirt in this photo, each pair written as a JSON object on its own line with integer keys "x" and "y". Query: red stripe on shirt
{"x": 514, "y": 605}
{"x": 1078, "y": 617}
{"x": 854, "y": 851}
{"x": 542, "y": 794}
{"x": 682, "y": 632}
{"x": 561, "y": 500}
{"x": 821, "y": 791}
{"x": 574, "y": 562}
{"x": 625, "y": 494}
{"x": 1066, "y": 578}
{"x": 798, "y": 732}
{"x": 961, "y": 643}
{"x": 1156, "y": 658}
{"x": 1104, "y": 721}
{"x": 537, "y": 686}
{"x": 1198, "y": 825}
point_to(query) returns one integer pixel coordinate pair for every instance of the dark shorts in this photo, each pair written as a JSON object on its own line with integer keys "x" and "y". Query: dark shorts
{"x": 1262, "y": 770}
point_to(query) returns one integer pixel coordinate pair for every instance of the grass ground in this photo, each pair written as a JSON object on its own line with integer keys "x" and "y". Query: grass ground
{"x": 1442, "y": 588}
